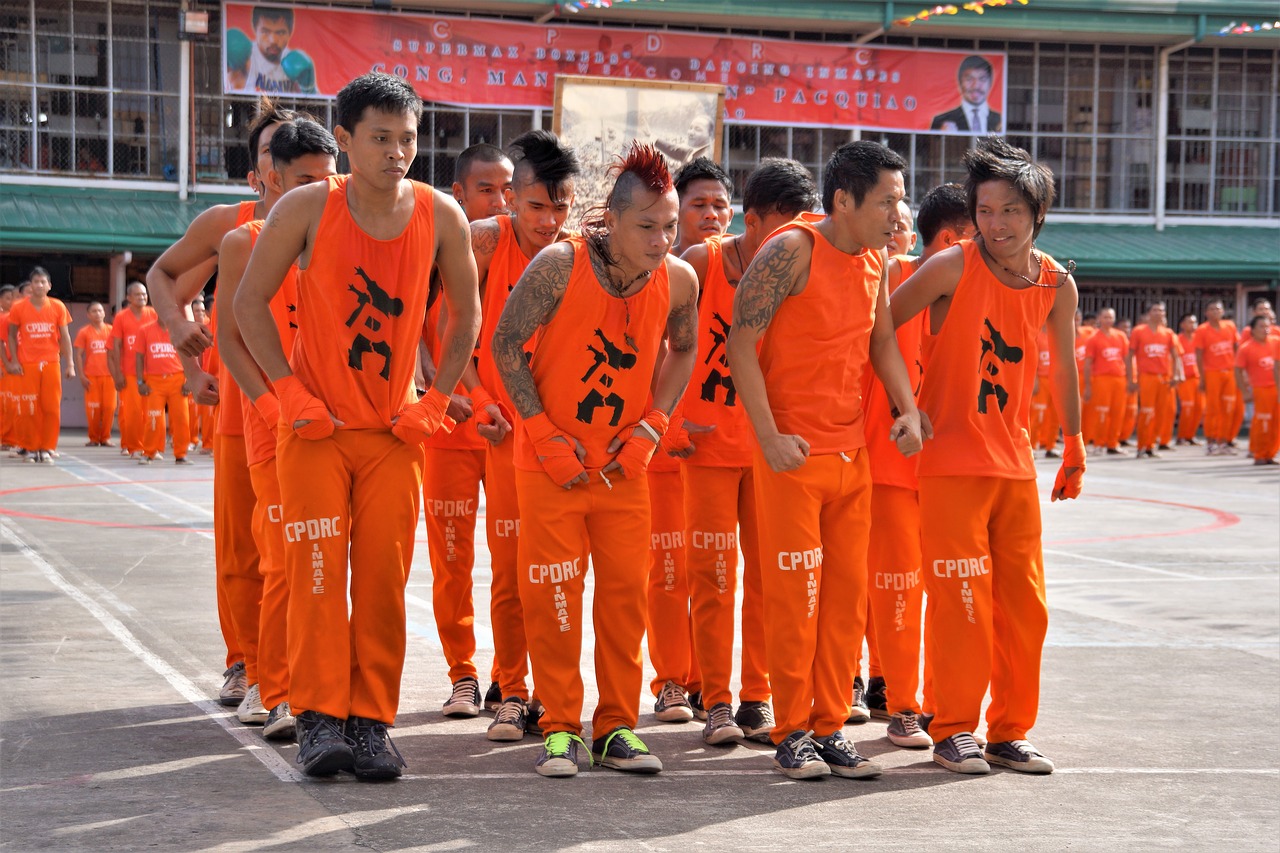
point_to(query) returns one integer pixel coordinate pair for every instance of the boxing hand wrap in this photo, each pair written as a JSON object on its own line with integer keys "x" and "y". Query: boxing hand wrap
{"x": 676, "y": 439}
{"x": 1073, "y": 456}
{"x": 481, "y": 400}
{"x": 417, "y": 421}
{"x": 299, "y": 404}
{"x": 554, "y": 448}
{"x": 268, "y": 408}
{"x": 637, "y": 449}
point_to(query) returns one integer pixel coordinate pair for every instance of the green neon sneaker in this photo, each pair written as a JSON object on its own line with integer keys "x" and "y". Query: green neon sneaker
{"x": 621, "y": 749}
{"x": 559, "y": 756}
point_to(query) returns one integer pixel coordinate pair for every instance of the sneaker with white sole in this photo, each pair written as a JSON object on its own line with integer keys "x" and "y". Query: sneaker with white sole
{"x": 905, "y": 731}
{"x": 797, "y": 757}
{"x": 280, "y": 724}
{"x": 465, "y": 700}
{"x": 559, "y": 756}
{"x": 511, "y": 720}
{"x": 858, "y": 710}
{"x": 251, "y": 711}
{"x": 672, "y": 705}
{"x": 960, "y": 754}
{"x": 720, "y": 726}
{"x": 843, "y": 759}
{"x": 622, "y": 749}
{"x": 926, "y": 719}
{"x": 756, "y": 721}
{"x": 1018, "y": 755}
{"x": 234, "y": 685}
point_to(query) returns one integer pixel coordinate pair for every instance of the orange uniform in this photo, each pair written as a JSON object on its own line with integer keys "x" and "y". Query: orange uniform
{"x": 1108, "y": 350}
{"x": 592, "y": 365}
{"x": 1190, "y": 397}
{"x": 1217, "y": 348}
{"x": 814, "y": 521}
{"x": 162, "y": 372}
{"x": 39, "y": 387}
{"x": 124, "y": 328}
{"x": 1044, "y": 417}
{"x": 1258, "y": 360}
{"x": 351, "y": 500}
{"x": 8, "y": 390}
{"x": 204, "y": 418}
{"x": 1083, "y": 333}
{"x": 100, "y": 396}
{"x": 1154, "y": 351}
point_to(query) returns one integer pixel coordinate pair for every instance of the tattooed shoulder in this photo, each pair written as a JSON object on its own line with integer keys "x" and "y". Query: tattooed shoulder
{"x": 485, "y": 234}
{"x": 537, "y": 294}
{"x": 770, "y": 278}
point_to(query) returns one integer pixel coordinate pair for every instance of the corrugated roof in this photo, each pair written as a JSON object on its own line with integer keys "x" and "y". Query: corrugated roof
{"x": 1179, "y": 253}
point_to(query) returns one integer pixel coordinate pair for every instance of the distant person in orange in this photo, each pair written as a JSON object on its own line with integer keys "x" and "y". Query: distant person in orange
{"x": 122, "y": 361}
{"x": 591, "y": 416}
{"x": 40, "y": 348}
{"x": 205, "y": 417}
{"x": 92, "y": 344}
{"x": 1130, "y": 422}
{"x": 1108, "y": 372}
{"x": 481, "y": 178}
{"x": 1258, "y": 374}
{"x": 809, "y": 315}
{"x": 1086, "y": 327}
{"x": 1044, "y": 418}
{"x": 349, "y": 455}
{"x": 1261, "y": 308}
{"x": 1190, "y": 397}
{"x": 161, "y": 385}
{"x": 8, "y": 405}
{"x": 1215, "y": 347}
{"x": 1154, "y": 347}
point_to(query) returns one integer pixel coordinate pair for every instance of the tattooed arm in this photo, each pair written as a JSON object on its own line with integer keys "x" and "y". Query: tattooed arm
{"x": 457, "y": 268}
{"x": 531, "y": 305}
{"x": 484, "y": 244}
{"x": 779, "y": 269}
{"x": 682, "y": 336}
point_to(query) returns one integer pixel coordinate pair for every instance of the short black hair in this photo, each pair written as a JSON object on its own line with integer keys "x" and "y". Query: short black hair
{"x": 974, "y": 63}
{"x": 855, "y": 167}
{"x": 481, "y": 152}
{"x": 35, "y": 271}
{"x": 1089, "y": 315}
{"x": 994, "y": 159}
{"x": 944, "y": 206}
{"x": 1152, "y": 304}
{"x": 1185, "y": 317}
{"x": 299, "y": 137}
{"x": 540, "y": 155}
{"x": 779, "y": 186}
{"x": 8, "y": 288}
{"x": 383, "y": 92}
{"x": 701, "y": 169}
{"x": 1258, "y": 318}
{"x": 268, "y": 112}
{"x": 272, "y": 13}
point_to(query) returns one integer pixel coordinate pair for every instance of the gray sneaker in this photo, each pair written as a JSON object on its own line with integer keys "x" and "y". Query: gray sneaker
{"x": 1018, "y": 755}
{"x": 621, "y": 749}
{"x": 858, "y": 710}
{"x": 720, "y": 726}
{"x": 510, "y": 722}
{"x": 843, "y": 759}
{"x": 905, "y": 731}
{"x": 559, "y": 757}
{"x": 672, "y": 705}
{"x": 280, "y": 723}
{"x": 797, "y": 757}
{"x": 960, "y": 754}
{"x": 251, "y": 711}
{"x": 465, "y": 700}
{"x": 756, "y": 721}
{"x": 234, "y": 686}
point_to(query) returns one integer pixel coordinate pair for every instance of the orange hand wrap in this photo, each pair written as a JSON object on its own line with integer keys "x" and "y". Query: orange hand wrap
{"x": 299, "y": 404}
{"x": 1073, "y": 456}
{"x": 268, "y": 406}
{"x": 637, "y": 448}
{"x": 554, "y": 448}
{"x": 481, "y": 398}
{"x": 417, "y": 421}
{"x": 676, "y": 439}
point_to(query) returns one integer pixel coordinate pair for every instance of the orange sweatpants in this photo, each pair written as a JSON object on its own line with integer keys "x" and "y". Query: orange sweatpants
{"x": 1190, "y": 408}
{"x": 813, "y": 526}
{"x": 208, "y": 420}
{"x": 720, "y": 515}
{"x": 39, "y": 390}
{"x": 1264, "y": 432}
{"x": 1108, "y": 410}
{"x": 984, "y": 573}
{"x": 1044, "y": 418}
{"x": 235, "y": 556}
{"x": 668, "y": 621}
{"x": 1130, "y": 423}
{"x": 1154, "y": 416}
{"x": 351, "y": 504}
{"x": 561, "y": 529}
{"x": 506, "y": 612}
{"x": 165, "y": 391}
{"x": 450, "y": 499}
{"x": 131, "y": 416}
{"x": 100, "y": 407}
{"x": 1220, "y": 397}
{"x": 896, "y": 591}
{"x": 268, "y": 535}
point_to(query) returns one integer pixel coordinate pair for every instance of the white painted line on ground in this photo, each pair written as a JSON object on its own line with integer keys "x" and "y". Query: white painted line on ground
{"x": 293, "y": 835}
{"x": 1123, "y": 564}
{"x": 204, "y": 511}
{"x": 1093, "y": 581}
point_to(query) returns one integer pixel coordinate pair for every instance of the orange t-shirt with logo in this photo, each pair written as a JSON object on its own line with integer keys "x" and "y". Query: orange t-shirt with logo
{"x": 4, "y": 334}
{"x": 1082, "y": 343}
{"x": 39, "y": 329}
{"x": 1258, "y": 360}
{"x": 259, "y": 439}
{"x": 1108, "y": 350}
{"x": 816, "y": 348}
{"x": 1187, "y": 352}
{"x": 159, "y": 357}
{"x": 593, "y": 362}
{"x": 980, "y": 371}
{"x": 95, "y": 343}
{"x": 1219, "y": 345}
{"x": 1154, "y": 350}
{"x": 888, "y": 466}
{"x": 125, "y": 327}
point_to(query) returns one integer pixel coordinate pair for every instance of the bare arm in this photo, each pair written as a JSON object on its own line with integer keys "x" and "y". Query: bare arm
{"x": 172, "y": 287}
{"x": 531, "y": 305}
{"x": 77, "y": 354}
{"x": 682, "y": 337}
{"x": 64, "y": 345}
{"x": 936, "y": 280}
{"x": 1242, "y": 381}
{"x": 1200, "y": 365}
{"x": 15, "y": 367}
{"x": 457, "y": 268}
{"x": 1062, "y": 341}
{"x": 909, "y": 427}
{"x": 113, "y": 362}
{"x": 484, "y": 243}
{"x": 233, "y": 257}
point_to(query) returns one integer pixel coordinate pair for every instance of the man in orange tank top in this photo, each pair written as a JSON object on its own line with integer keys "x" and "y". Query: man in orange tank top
{"x": 815, "y": 304}
{"x": 92, "y": 343}
{"x": 984, "y": 572}
{"x": 1154, "y": 347}
{"x": 596, "y": 308}
{"x": 1258, "y": 374}
{"x": 40, "y": 348}
{"x": 1190, "y": 397}
{"x": 1107, "y": 373}
{"x": 162, "y": 386}
{"x": 1215, "y": 345}
{"x": 349, "y": 455}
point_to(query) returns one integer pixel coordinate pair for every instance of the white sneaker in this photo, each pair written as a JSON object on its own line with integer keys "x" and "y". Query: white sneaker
{"x": 251, "y": 712}
{"x": 280, "y": 723}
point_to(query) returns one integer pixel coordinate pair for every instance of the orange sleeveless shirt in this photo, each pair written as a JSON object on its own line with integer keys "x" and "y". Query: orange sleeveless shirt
{"x": 362, "y": 303}
{"x": 592, "y": 366}
{"x": 505, "y": 268}
{"x": 888, "y": 466}
{"x": 230, "y": 399}
{"x": 464, "y": 435}
{"x": 981, "y": 370}
{"x": 813, "y": 353}
{"x": 259, "y": 440}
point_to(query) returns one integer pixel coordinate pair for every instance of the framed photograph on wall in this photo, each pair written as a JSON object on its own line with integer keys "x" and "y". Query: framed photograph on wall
{"x": 600, "y": 116}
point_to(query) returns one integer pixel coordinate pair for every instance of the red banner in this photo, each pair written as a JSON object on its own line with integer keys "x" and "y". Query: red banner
{"x": 494, "y": 63}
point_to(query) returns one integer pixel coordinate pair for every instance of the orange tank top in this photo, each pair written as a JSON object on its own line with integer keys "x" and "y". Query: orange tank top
{"x": 813, "y": 353}
{"x": 95, "y": 344}
{"x": 464, "y": 435}
{"x": 505, "y": 268}
{"x": 888, "y": 466}
{"x": 259, "y": 440}
{"x": 231, "y": 403}
{"x": 1044, "y": 361}
{"x": 362, "y": 303}
{"x": 711, "y": 398}
{"x": 592, "y": 364}
{"x": 982, "y": 365}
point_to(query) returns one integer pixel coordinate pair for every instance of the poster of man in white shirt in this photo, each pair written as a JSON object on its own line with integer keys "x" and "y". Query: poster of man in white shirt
{"x": 974, "y": 116}
{"x": 265, "y": 64}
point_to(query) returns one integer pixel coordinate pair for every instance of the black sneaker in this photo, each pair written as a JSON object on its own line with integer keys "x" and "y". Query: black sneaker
{"x": 533, "y": 722}
{"x": 1114, "y": 451}
{"x": 875, "y": 698}
{"x": 1052, "y": 454}
{"x": 720, "y": 727}
{"x": 961, "y": 754}
{"x": 797, "y": 757}
{"x": 905, "y": 731}
{"x": 756, "y": 721}
{"x": 511, "y": 721}
{"x": 1018, "y": 755}
{"x": 621, "y": 749}
{"x": 559, "y": 756}
{"x": 858, "y": 710}
{"x": 843, "y": 759}
{"x": 695, "y": 702}
{"x": 376, "y": 757}
{"x": 323, "y": 748}
{"x": 925, "y": 719}
{"x": 672, "y": 705}
{"x": 465, "y": 700}
{"x": 493, "y": 697}
{"x": 1164, "y": 447}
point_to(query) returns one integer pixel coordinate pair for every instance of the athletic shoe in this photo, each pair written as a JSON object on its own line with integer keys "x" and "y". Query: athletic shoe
{"x": 858, "y": 710}
{"x": 1113, "y": 451}
{"x": 144, "y": 460}
{"x": 19, "y": 454}
{"x": 672, "y": 705}
{"x": 323, "y": 747}
{"x": 559, "y": 756}
{"x": 182, "y": 460}
{"x": 843, "y": 759}
{"x": 251, "y": 711}
{"x": 234, "y": 685}
{"x": 45, "y": 457}
{"x": 756, "y": 721}
{"x": 905, "y": 731}
{"x": 875, "y": 698}
{"x": 797, "y": 757}
{"x": 376, "y": 757}
{"x": 105, "y": 444}
{"x": 533, "y": 722}
{"x": 961, "y": 754}
{"x": 1052, "y": 454}
{"x": 695, "y": 702}
{"x": 925, "y": 719}
{"x": 721, "y": 727}
{"x": 280, "y": 724}
{"x": 1124, "y": 443}
{"x": 1228, "y": 449}
{"x": 510, "y": 721}
{"x": 1164, "y": 447}
{"x": 1018, "y": 755}
{"x": 465, "y": 700}
{"x": 621, "y": 749}
{"x": 91, "y": 444}
{"x": 493, "y": 697}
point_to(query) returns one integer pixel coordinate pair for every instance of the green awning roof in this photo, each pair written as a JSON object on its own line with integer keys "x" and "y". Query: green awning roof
{"x": 1180, "y": 253}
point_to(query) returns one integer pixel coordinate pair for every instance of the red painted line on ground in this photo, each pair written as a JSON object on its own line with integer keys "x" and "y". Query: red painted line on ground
{"x": 16, "y": 513}
{"x": 1221, "y": 519}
